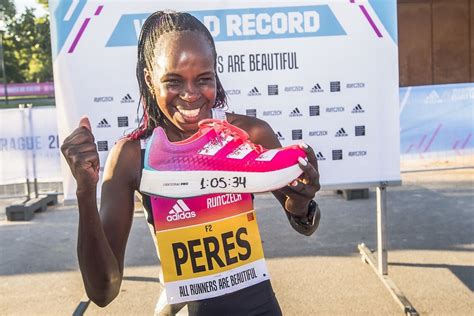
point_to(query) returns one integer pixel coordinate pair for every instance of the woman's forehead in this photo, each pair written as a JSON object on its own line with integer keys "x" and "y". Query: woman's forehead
{"x": 175, "y": 47}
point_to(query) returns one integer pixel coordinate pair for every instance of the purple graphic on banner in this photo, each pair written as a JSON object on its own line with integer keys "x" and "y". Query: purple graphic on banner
{"x": 371, "y": 22}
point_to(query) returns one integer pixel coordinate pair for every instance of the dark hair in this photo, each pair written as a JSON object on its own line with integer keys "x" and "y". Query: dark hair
{"x": 157, "y": 24}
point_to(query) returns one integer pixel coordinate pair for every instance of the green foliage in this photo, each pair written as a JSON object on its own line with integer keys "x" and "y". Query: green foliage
{"x": 27, "y": 46}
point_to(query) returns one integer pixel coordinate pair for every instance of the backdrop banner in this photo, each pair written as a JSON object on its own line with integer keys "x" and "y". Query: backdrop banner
{"x": 29, "y": 145}
{"x": 437, "y": 119}
{"x": 322, "y": 72}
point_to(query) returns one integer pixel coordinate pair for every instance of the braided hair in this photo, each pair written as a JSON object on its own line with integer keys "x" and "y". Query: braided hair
{"x": 157, "y": 24}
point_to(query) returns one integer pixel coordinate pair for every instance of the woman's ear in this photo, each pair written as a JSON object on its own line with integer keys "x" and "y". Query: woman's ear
{"x": 148, "y": 80}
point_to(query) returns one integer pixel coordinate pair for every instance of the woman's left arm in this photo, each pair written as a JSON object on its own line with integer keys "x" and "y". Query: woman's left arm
{"x": 297, "y": 198}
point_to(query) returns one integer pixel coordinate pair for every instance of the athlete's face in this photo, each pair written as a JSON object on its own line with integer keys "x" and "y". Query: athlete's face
{"x": 183, "y": 78}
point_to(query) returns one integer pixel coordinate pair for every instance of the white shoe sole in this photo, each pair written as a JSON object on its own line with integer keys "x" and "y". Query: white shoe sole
{"x": 182, "y": 184}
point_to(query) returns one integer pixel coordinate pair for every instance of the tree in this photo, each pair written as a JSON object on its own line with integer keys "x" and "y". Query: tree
{"x": 27, "y": 45}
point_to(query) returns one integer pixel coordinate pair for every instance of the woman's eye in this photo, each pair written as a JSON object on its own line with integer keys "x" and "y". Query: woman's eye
{"x": 172, "y": 82}
{"x": 204, "y": 80}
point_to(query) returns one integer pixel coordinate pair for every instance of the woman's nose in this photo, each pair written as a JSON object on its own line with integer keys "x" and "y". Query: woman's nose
{"x": 190, "y": 93}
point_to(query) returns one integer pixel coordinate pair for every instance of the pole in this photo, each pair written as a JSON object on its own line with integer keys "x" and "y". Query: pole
{"x": 381, "y": 236}
{"x": 33, "y": 149}
{"x": 2, "y": 64}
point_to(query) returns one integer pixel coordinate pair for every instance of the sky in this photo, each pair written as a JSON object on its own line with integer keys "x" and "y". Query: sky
{"x": 22, "y": 4}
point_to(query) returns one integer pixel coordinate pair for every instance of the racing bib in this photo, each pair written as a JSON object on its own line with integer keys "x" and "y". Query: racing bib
{"x": 208, "y": 245}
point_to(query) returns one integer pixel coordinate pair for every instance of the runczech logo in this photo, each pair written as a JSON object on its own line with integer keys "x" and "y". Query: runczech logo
{"x": 103, "y": 99}
{"x": 180, "y": 211}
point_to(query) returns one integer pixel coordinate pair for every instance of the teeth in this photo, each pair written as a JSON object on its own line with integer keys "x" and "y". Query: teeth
{"x": 189, "y": 113}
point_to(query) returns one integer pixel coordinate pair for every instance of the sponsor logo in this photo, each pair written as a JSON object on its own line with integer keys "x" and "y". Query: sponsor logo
{"x": 293, "y": 88}
{"x": 102, "y": 145}
{"x": 273, "y": 89}
{"x": 318, "y": 133}
{"x": 254, "y": 92}
{"x": 341, "y": 133}
{"x": 122, "y": 121}
{"x": 433, "y": 97}
{"x": 335, "y": 86}
{"x": 462, "y": 94}
{"x": 272, "y": 113}
{"x": 358, "y": 109}
{"x": 357, "y": 153}
{"x": 320, "y": 157}
{"x": 127, "y": 99}
{"x": 355, "y": 85}
{"x": 335, "y": 109}
{"x": 251, "y": 112}
{"x": 180, "y": 211}
{"x": 103, "y": 123}
{"x": 337, "y": 154}
{"x": 103, "y": 99}
{"x": 297, "y": 134}
{"x": 316, "y": 88}
{"x": 360, "y": 130}
{"x": 233, "y": 92}
{"x": 314, "y": 110}
{"x": 223, "y": 199}
{"x": 296, "y": 112}
{"x": 279, "y": 135}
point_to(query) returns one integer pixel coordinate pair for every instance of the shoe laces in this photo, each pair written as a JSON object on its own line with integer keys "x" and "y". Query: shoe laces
{"x": 225, "y": 129}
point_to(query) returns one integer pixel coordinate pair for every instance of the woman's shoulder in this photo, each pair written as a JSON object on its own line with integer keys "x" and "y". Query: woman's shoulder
{"x": 124, "y": 159}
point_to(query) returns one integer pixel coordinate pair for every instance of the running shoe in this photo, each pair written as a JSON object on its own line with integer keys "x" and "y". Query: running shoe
{"x": 219, "y": 158}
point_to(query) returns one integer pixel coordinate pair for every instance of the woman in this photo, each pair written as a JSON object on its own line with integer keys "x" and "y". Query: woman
{"x": 179, "y": 87}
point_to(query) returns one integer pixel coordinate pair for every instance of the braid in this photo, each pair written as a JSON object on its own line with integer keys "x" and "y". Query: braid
{"x": 157, "y": 24}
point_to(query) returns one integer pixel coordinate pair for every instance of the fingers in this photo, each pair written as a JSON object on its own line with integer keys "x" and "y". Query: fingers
{"x": 311, "y": 156}
{"x": 84, "y": 122}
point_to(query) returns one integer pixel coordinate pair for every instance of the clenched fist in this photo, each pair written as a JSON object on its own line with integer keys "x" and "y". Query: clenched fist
{"x": 81, "y": 155}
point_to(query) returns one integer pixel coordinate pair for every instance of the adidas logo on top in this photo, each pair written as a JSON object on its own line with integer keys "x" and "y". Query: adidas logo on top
{"x": 320, "y": 157}
{"x": 295, "y": 112}
{"x": 358, "y": 109}
{"x": 433, "y": 97}
{"x": 127, "y": 99}
{"x": 316, "y": 88}
{"x": 254, "y": 92}
{"x": 103, "y": 123}
{"x": 179, "y": 211}
{"x": 341, "y": 132}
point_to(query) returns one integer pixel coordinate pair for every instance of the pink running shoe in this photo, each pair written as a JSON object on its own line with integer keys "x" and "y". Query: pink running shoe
{"x": 219, "y": 158}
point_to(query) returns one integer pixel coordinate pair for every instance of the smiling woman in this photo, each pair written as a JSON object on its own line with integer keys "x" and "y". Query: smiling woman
{"x": 209, "y": 243}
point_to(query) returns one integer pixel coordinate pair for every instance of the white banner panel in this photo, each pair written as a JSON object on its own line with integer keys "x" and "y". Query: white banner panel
{"x": 29, "y": 145}
{"x": 323, "y": 72}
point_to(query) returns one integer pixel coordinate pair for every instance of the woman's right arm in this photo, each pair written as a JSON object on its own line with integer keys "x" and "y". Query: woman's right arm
{"x": 102, "y": 236}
